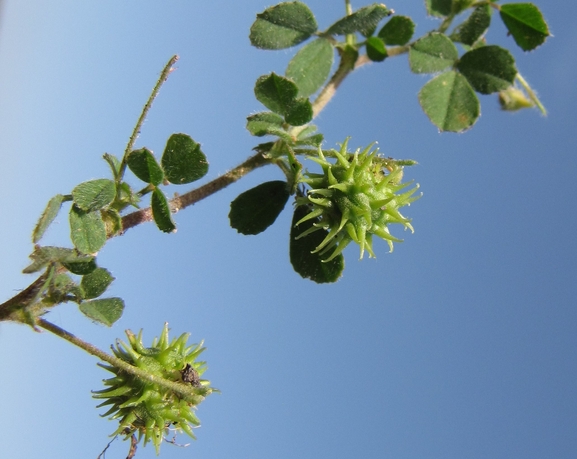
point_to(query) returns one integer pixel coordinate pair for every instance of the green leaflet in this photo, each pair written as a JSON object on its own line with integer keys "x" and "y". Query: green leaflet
{"x": 256, "y": 209}
{"x": 363, "y": 20}
{"x": 488, "y": 68}
{"x": 161, "y": 212}
{"x": 47, "y": 217}
{"x": 182, "y": 160}
{"x": 311, "y": 66}
{"x": 397, "y": 31}
{"x": 450, "y": 102}
{"x": 105, "y": 311}
{"x": 143, "y": 164}
{"x": 282, "y": 26}
{"x": 432, "y": 53}
{"x": 526, "y": 23}
{"x": 87, "y": 230}
{"x": 94, "y": 194}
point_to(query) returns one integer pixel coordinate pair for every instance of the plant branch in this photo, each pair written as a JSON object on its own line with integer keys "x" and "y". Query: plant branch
{"x": 163, "y": 77}
{"x": 182, "y": 389}
{"x": 198, "y": 194}
{"x": 531, "y": 94}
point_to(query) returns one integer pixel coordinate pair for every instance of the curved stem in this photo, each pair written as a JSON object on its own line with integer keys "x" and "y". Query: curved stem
{"x": 163, "y": 77}
{"x": 531, "y": 94}
{"x": 179, "y": 388}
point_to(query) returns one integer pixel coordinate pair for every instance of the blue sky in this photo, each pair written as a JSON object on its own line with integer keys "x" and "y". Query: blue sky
{"x": 460, "y": 343}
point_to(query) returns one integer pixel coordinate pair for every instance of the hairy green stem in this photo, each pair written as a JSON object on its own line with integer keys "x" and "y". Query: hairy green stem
{"x": 531, "y": 93}
{"x": 179, "y": 388}
{"x": 163, "y": 77}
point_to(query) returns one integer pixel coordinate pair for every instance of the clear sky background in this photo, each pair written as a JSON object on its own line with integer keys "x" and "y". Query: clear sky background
{"x": 461, "y": 343}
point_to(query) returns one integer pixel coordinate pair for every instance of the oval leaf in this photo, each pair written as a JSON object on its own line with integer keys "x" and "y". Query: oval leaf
{"x": 95, "y": 283}
{"x": 87, "y": 230}
{"x": 376, "y": 49}
{"x": 282, "y": 26}
{"x": 47, "y": 217}
{"x": 182, "y": 160}
{"x": 363, "y": 20}
{"x": 105, "y": 311}
{"x": 42, "y": 256}
{"x": 310, "y": 265}
{"x": 397, "y": 31}
{"x": 275, "y": 92}
{"x": 432, "y": 53}
{"x": 81, "y": 267}
{"x": 474, "y": 27}
{"x": 450, "y": 102}
{"x": 310, "y": 67}
{"x": 143, "y": 164}
{"x": 489, "y": 68}
{"x": 94, "y": 194}
{"x": 161, "y": 212}
{"x": 439, "y": 8}
{"x": 526, "y": 23}
{"x": 256, "y": 209}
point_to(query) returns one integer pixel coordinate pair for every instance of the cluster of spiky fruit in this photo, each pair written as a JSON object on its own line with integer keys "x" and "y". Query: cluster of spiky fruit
{"x": 143, "y": 406}
{"x": 356, "y": 197}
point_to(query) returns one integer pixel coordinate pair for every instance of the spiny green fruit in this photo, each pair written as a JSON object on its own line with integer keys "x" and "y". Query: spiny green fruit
{"x": 147, "y": 408}
{"x": 356, "y": 197}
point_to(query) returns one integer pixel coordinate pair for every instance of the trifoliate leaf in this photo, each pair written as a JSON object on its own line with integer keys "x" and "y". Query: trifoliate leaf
{"x": 282, "y": 26}
{"x": 256, "y": 209}
{"x": 450, "y": 102}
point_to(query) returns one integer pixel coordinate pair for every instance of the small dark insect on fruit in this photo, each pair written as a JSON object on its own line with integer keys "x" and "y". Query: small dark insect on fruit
{"x": 190, "y": 375}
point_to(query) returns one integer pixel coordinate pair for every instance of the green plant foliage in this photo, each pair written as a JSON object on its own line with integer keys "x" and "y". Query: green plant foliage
{"x": 161, "y": 212}
{"x": 105, "y": 311}
{"x": 364, "y": 20}
{"x": 488, "y": 68}
{"x": 112, "y": 221}
{"x": 513, "y": 99}
{"x": 94, "y": 194}
{"x": 310, "y": 67}
{"x": 61, "y": 289}
{"x": 87, "y": 230}
{"x": 474, "y": 27}
{"x": 256, "y": 209}
{"x": 432, "y": 53}
{"x": 450, "y": 102}
{"x": 182, "y": 160}
{"x": 439, "y": 8}
{"x": 96, "y": 282}
{"x": 43, "y": 256}
{"x": 143, "y": 164}
{"x": 307, "y": 264}
{"x": 267, "y": 123}
{"x": 282, "y": 26}
{"x": 81, "y": 267}
{"x": 47, "y": 217}
{"x": 279, "y": 94}
{"x": 376, "y": 49}
{"x": 397, "y": 31}
{"x": 526, "y": 23}
{"x": 149, "y": 409}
